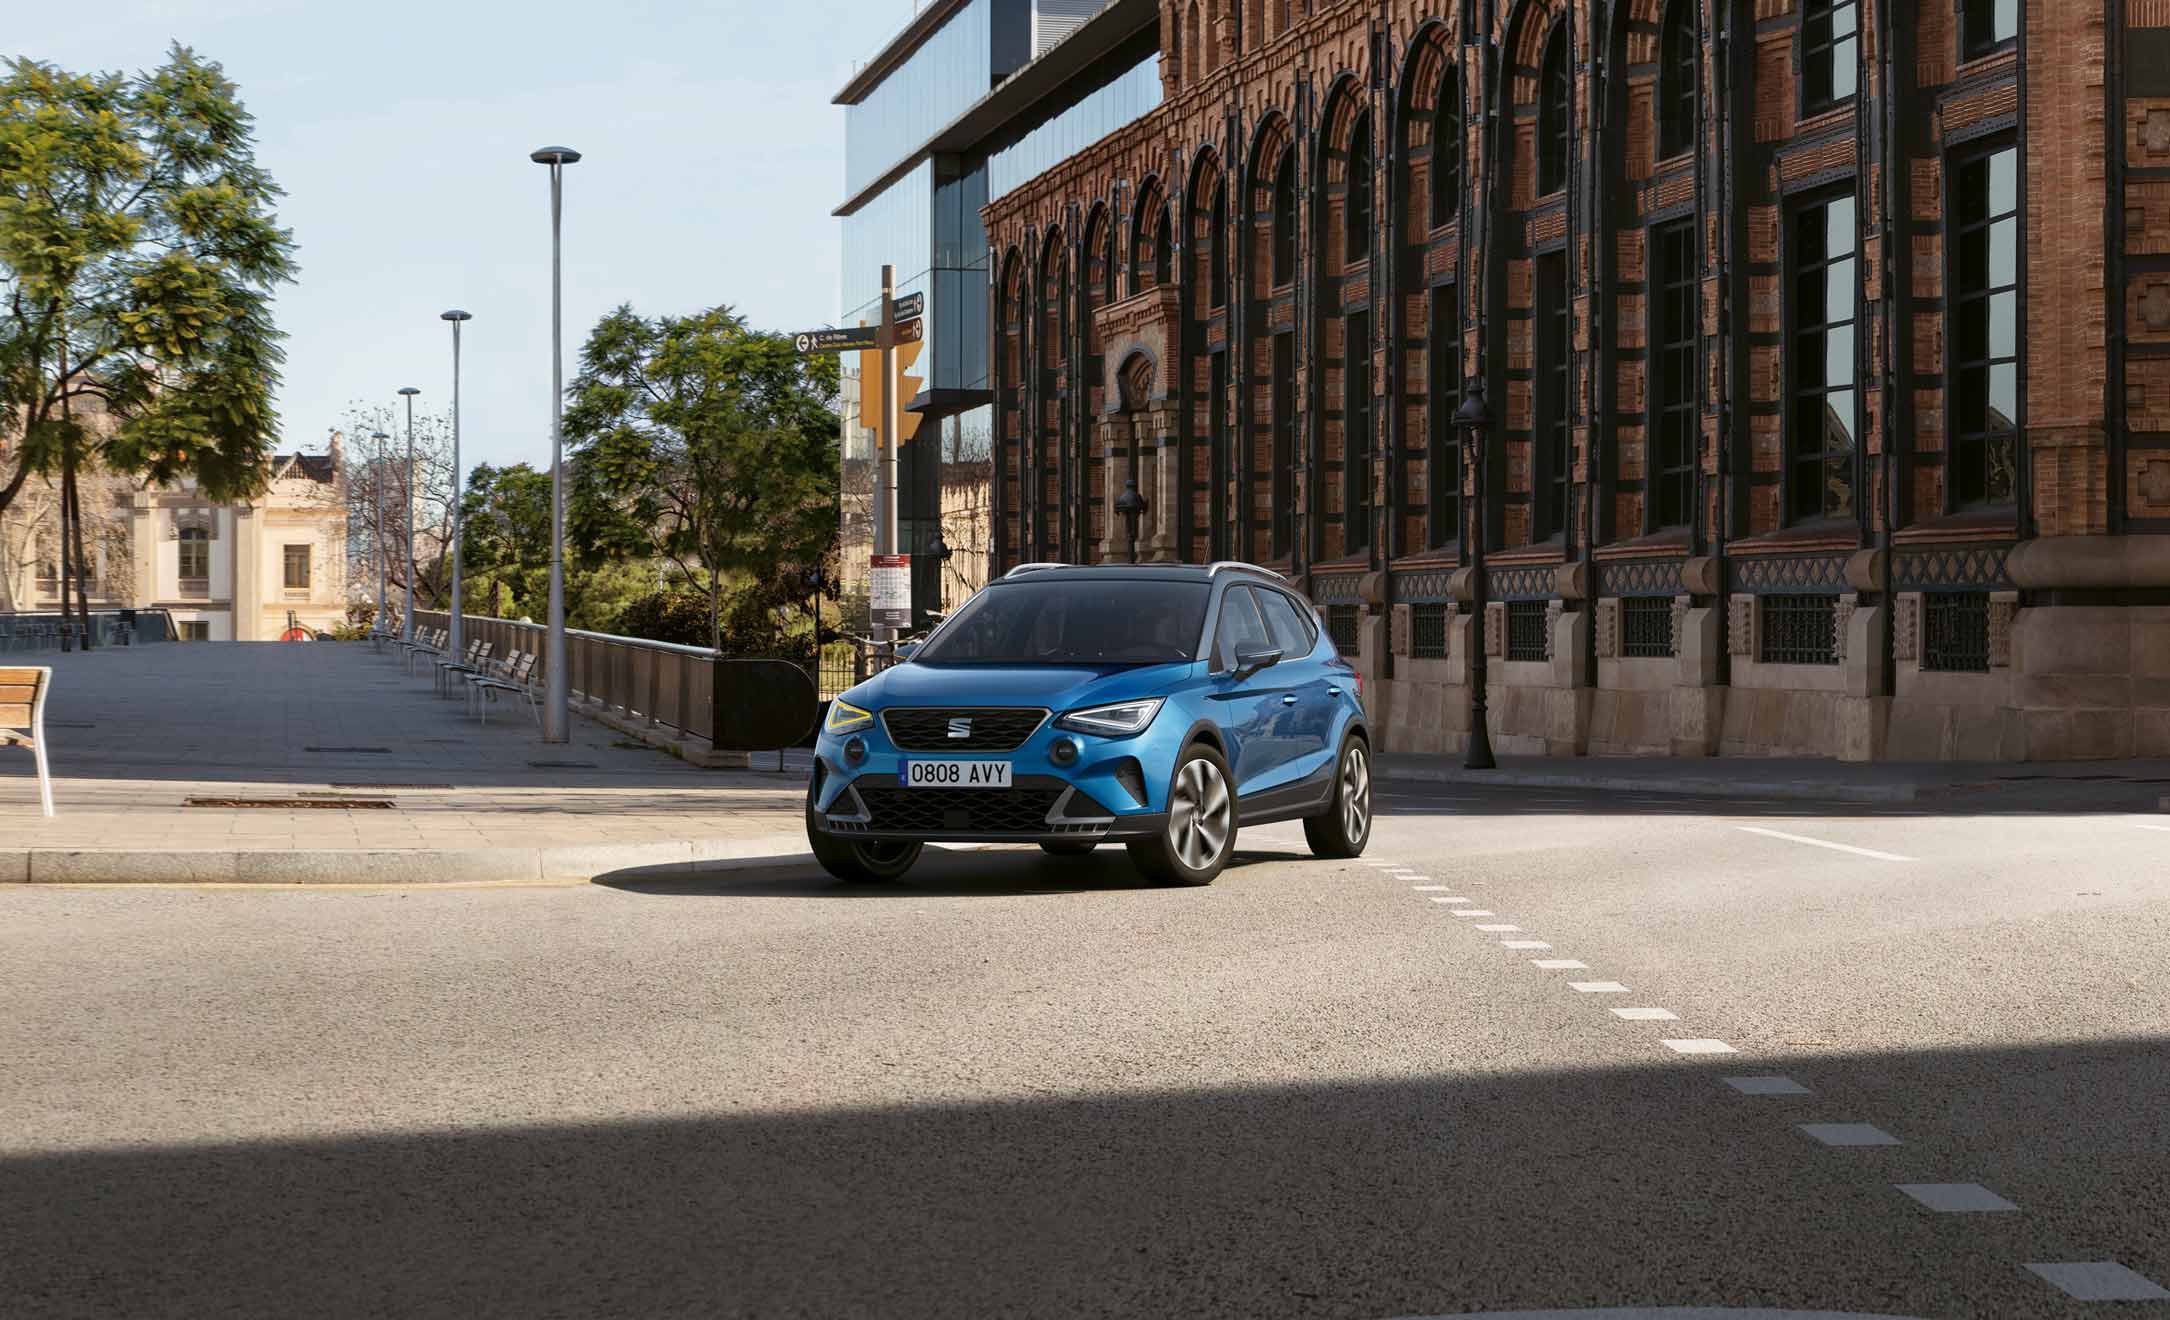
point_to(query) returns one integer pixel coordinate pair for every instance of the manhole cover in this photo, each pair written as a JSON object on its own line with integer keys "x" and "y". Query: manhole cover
{"x": 382, "y": 750}
{"x": 293, "y": 804}
{"x": 562, "y": 765}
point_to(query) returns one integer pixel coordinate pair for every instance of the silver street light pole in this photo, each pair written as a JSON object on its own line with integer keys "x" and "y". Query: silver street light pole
{"x": 406, "y": 625}
{"x": 376, "y": 463}
{"x": 557, "y": 685}
{"x": 458, "y": 641}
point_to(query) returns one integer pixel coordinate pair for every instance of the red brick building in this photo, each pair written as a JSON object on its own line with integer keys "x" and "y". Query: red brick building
{"x": 1825, "y": 345}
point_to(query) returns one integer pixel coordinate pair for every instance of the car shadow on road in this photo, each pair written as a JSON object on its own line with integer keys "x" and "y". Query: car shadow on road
{"x": 940, "y": 873}
{"x": 1397, "y": 1195}
{"x": 2015, "y": 798}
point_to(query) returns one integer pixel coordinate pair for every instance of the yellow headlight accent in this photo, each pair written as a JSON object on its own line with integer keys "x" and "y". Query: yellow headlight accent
{"x": 844, "y": 717}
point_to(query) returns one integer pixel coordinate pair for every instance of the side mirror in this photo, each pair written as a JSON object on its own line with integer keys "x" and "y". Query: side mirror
{"x": 1251, "y": 661}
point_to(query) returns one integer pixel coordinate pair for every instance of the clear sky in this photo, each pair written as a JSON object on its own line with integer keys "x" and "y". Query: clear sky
{"x": 400, "y": 131}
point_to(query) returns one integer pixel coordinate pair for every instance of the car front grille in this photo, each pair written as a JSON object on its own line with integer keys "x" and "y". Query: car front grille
{"x": 990, "y": 728}
{"x": 891, "y": 808}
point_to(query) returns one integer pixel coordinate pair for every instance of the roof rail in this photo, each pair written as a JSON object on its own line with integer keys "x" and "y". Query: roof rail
{"x": 1237, "y": 565}
{"x": 1031, "y": 568}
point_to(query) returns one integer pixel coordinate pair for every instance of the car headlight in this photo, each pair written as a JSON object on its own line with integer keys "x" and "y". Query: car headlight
{"x": 844, "y": 717}
{"x": 1119, "y": 720}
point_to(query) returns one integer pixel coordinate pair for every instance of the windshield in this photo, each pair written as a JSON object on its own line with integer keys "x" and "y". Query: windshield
{"x": 1080, "y": 621}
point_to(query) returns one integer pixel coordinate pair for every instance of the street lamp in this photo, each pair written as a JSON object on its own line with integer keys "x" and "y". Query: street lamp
{"x": 406, "y": 625}
{"x": 457, "y": 644}
{"x": 377, "y": 439}
{"x": 1474, "y": 420}
{"x": 557, "y": 689}
{"x": 1130, "y": 505}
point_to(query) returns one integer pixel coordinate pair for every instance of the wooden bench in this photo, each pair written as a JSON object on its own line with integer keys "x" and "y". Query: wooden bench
{"x": 22, "y": 720}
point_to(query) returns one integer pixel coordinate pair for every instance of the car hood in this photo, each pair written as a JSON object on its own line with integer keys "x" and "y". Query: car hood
{"x": 1058, "y": 687}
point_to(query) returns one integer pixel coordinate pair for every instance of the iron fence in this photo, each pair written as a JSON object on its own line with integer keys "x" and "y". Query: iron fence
{"x": 1646, "y": 627}
{"x": 1798, "y": 630}
{"x": 1528, "y": 637}
{"x": 1955, "y": 632}
{"x": 1428, "y": 631}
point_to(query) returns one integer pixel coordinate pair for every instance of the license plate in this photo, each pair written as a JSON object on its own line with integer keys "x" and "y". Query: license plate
{"x": 955, "y": 774}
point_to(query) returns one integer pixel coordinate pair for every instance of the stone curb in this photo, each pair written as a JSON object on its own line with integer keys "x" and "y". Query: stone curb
{"x": 1666, "y": 785}
{"x": 399, "y": 866}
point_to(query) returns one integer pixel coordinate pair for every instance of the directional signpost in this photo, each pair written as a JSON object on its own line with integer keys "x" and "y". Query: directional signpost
{"x": 902, "y": 325}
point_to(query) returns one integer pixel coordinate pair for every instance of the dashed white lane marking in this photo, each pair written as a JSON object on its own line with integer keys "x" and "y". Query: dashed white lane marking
{"x": 1496, "y": 926}
{"x": 1558, "y": 964}
{"x": 1823, "y": 843}
{"x": 1452, "y": 898}
{"x": 1474, "y": 912}
{"x": 1767, "y": 1086}
{"x": 1425, "y": 889}
{"x": 1598, "y": 987}
{"x": 2100, "y": 1281}
{"x": 2164, "y": 828}
{"x": 1699, "y": 1047}
{"x": 1849, "y": 1134}
{"x": 1523, "y": 944}
{"x": 1646, "y": 1014}
{"x": 1956, "y": 1198}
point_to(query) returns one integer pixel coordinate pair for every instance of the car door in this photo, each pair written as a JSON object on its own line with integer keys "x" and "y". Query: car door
{"x": 1310, "y": 695}
{"x": 1246, "y": 705}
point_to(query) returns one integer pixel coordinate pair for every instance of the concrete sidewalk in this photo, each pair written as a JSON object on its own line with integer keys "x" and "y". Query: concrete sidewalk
{"x": 251, "y": 762}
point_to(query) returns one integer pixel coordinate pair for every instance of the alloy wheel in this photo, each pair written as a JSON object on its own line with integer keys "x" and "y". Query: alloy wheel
{"x": 1199, "y": 814}
{"x": 1355, "y": 794}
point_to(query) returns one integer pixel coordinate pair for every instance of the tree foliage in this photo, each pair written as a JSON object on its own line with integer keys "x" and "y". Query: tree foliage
{"x": 703, "y": 442}
{"x": 505, "y": 526}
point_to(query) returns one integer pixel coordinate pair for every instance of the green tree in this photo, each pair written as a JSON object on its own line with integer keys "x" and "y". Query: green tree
{"x": 506, "y": 555}
{"x": 703, "y": 442}
{"x": 138, "y": 258}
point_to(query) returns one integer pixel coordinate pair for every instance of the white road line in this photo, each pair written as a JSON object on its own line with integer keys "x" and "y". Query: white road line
{"x": 2100, "y": 1281}
{"x": 1558, "y": 964}
{"x": 1822, "y": 843}
{"x": 1767, "y": 1086}
{"x": 1598, "y": 987}
{"x": 1523, "y": 944}
{"x": 1956, "y": 1198}
{"x": 1646, "y": 1014}
{"x": 1498, "y": 927}
{"x": 2140, "y": 825}
{"x": 1849, "y": 1134}
{"x": 1699, "y": 1047}
{"x": 1474, "y": 912}
{"x": 1425, "y": 889}
{"x": 1451, "y": 898}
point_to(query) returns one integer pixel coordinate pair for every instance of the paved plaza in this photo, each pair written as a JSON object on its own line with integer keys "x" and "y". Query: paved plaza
{"x": 136, "y": 733}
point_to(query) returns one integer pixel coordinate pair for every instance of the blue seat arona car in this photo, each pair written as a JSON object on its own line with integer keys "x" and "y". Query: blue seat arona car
{"x": 1159, "y": 706}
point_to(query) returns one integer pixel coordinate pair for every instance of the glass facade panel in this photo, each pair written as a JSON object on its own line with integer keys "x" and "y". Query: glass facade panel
{"x": 1822, "y": 420}
{"x": 952, "y": 69}
{"x": 1830, "y": 57}
{"x": 1673, "y": 402}
{"x": 1985, "y": 330}
{"x": 1126, "y": 97}
{"x": 1990, "y": 24}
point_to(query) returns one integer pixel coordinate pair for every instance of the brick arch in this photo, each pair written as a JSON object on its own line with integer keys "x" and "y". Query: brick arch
{"x": 1098, "y": 276}
{"x": 1145, "y": 257}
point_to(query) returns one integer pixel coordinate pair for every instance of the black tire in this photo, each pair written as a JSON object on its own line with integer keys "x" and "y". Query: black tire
{"x": 1067, "y": 847}
{"x": 1199, "y": 802}
{"x": 1341, "y": 831}
{"x": 859, "y": 861}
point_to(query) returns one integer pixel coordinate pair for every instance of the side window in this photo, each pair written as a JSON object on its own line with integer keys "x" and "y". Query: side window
{"x": 1240, "y": 628}
{"x": 1286, "y": 625}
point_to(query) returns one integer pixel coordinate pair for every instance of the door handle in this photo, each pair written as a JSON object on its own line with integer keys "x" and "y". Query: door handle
{"x": 1289, "y": 699}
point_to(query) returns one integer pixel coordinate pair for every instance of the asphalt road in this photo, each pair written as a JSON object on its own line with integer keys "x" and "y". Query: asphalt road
{"x": 1018, "y": 1086}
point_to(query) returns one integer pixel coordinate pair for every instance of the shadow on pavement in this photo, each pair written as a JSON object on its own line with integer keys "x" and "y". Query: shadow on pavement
{"x": 2017, "y": 797}
{"x": 1333, "y": 1197}
{"x": 940, "y": 873}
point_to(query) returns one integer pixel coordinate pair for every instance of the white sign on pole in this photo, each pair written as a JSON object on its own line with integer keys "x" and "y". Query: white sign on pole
{"x": 889, "y": 588}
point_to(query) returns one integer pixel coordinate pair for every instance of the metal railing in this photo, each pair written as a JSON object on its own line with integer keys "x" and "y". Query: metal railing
{"x": 660, "y": 683}
{"x": 42, "y": 630}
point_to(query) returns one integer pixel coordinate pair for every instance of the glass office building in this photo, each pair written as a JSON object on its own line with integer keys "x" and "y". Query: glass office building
{"x": 962, "y": 105}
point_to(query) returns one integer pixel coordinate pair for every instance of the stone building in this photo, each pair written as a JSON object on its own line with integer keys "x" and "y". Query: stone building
{"x": 1826, "y": 347}
{"x": 225, "y": 572}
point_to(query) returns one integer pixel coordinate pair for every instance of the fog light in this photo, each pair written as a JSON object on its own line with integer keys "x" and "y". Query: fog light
{"x": 855, "y": 750}
{"x": 1064, "y": 752}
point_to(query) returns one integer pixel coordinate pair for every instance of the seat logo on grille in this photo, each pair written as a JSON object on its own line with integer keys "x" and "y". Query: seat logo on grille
{"x": 960, "y": 728}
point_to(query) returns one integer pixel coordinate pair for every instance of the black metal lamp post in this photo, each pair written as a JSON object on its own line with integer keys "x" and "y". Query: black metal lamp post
{"x": 1474, "y": 420}
{"x": 1131, "y": 506}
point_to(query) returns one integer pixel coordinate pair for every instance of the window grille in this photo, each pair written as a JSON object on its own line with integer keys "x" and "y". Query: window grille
{"x": 1527, "y": 636}
{"x": 1341, "y": 626}
{"x": 1428, "y": 631}
{"x": 1799, "y": 630}
{"x": 1955, "y": 632}
{"x": 1646, "y": 628}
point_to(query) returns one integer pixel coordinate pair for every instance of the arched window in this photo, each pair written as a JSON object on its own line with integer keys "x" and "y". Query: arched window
{"x": 195, "y": 552}
{"x": 1217, "y": 288}
{"x": 1163, "y": 250}
{"x": 1284, "y": 218}
{"x": 1356, "y": 214}
{"x": 1447, "y": 152}
{"x": 1147, "y": 238}
{"x": 1554, "y": 94}
{"x": 1677, "y": 81}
